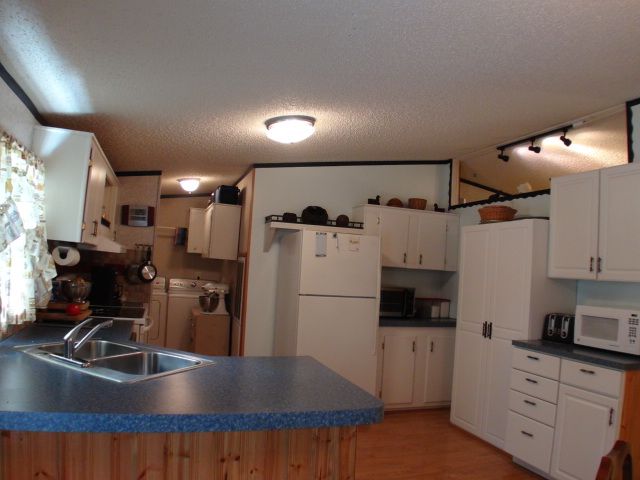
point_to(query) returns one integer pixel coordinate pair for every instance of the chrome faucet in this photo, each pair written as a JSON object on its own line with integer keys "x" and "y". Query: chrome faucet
{"x": 70, "y": 344}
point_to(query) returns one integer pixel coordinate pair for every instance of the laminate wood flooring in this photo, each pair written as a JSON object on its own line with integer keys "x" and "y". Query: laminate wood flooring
{"x": 423, "y": 444}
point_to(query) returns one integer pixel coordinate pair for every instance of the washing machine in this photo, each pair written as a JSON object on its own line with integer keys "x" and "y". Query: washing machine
{"x": 182, "y": 296}
{"x": 156, "y": 330}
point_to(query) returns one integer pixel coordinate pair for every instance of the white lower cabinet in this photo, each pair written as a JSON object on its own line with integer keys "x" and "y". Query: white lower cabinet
{"x": 563, "y": 415}
{"x": 416, "y": 366}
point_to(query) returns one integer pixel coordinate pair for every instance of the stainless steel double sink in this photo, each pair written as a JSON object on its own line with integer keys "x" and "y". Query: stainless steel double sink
{"x": 116, "y": 361}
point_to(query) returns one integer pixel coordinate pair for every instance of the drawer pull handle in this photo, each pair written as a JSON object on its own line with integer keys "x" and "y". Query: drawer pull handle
{"x": 529, "y": 402}
{"x": 530, "y": 380}
{"x": 532, "y": 357}
{"x": 590, "y": 372}
{"x": 530, "y": 435}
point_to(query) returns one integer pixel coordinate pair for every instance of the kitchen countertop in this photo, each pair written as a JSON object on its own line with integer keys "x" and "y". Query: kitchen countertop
{"x": 236, "y": 393}
{"x": 595, "y": 356}
{"x": 417, "y": 322}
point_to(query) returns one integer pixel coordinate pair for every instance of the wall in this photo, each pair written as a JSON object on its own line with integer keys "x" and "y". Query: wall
{"x": 172, "y": 260}
{"x": 337, "y": 189}
{"x": 137, "y": 190}
{"x": 15, "y": 118}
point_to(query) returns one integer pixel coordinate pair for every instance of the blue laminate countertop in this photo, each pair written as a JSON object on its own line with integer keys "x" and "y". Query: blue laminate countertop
{"x": 236, "y": 393}
{"x": 417, "y": 322}
{"x": 595, "y": 356}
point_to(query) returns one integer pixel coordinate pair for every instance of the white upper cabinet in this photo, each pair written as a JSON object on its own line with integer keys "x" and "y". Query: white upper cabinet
{"x": 595, "y": 223}
{"x": 80, "y": 188}
{"x": 222, "y": 231}
{"x": 195, "y": 239}
{"x": 415, "y": 239}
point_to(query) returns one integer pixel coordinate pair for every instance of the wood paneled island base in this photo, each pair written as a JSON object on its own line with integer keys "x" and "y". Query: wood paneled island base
{"x": 319, "y": 453}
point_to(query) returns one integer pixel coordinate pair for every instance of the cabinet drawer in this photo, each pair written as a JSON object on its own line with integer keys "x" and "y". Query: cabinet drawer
{"x": 538, "y": 363}
{"x": 590, "y": 377}
{"x": 544, "y": 412}
{"x": 534, "y": 385}
{"x": 529, "y": 441}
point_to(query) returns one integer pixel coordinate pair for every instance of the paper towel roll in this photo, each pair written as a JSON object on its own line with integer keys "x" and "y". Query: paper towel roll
{"x": 66, "y": 256}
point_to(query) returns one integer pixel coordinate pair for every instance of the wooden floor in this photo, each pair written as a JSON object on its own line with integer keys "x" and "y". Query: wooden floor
{"x": 423, "y": 444}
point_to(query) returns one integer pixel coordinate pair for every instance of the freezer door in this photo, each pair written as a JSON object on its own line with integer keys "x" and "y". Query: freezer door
{"x": 341, "y": 333}
{"x": 339, "y": 264}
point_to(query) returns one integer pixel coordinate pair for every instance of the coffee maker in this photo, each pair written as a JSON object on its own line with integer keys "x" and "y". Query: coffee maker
{"x": 105, "y": 290}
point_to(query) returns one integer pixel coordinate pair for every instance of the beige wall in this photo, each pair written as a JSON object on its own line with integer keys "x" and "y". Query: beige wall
{"x": 138, "y": 190}
{"x": 172, "y": 260}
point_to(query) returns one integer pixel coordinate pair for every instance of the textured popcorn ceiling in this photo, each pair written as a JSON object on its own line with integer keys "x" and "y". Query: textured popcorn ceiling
{"x": 185, "y": 86}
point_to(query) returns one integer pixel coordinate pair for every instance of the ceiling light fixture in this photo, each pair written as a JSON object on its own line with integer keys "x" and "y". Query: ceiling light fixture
{"x": 502, "y": 156}
{"x": 564, "y": 139}
{"x": 189, "y": 184}
{"x": 290, "y": 128}
{"x": 532, "y": 148}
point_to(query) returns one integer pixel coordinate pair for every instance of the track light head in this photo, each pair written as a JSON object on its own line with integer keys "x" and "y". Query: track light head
{"x": 563, "y": 138}
{"x": 502, "y": 156}
{"x": 534, "y": 149}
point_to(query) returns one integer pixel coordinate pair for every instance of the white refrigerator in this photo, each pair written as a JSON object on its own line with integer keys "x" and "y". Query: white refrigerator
{"x": 328, "y": 301}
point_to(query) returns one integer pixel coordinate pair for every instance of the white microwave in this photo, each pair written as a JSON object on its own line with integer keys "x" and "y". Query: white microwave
{"x": 608, "y": 328}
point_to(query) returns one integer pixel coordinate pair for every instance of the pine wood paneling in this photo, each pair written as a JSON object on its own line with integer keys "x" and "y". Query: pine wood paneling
{"x": 318, "y": 454}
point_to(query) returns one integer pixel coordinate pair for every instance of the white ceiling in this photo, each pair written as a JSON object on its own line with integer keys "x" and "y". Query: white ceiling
{"x": 185, "y": 86}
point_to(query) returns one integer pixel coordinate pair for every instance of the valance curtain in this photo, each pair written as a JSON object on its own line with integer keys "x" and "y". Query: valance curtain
{"x": 26, "y": 267}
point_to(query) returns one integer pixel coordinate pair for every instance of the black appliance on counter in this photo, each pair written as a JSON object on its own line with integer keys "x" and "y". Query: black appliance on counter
{"x": 105, "y": 290}
{"x": 397, "y": 302}
{"x": 226, "y": 194}
{"x": 558, "y": 327}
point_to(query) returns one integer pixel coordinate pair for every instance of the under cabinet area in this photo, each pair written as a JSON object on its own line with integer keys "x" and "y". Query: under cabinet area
{"x": 81, "y": 189}
{"x": 415, "y": 366}
{"x": 416, "y": 239}
{"x": 214, "y": 231}
{"x": 595, "y": 223}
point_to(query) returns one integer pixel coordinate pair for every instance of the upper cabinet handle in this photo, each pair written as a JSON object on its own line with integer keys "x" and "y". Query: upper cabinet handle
{"x": 420, "y": 259}
{"x": 599, "y": 264}
{"x": 591, "y": 264}
{"x": 405, "y": 258}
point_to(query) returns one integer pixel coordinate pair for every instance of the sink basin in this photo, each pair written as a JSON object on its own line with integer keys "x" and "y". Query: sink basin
{"x": 117, "y": 362}
{"x": 146, "y": 363}
{"x": 91, "y": 350}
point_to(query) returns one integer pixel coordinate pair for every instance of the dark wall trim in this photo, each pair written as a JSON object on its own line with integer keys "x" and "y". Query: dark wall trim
{"x": 504, "y": 198}
{"x": 185, "y": 195}
{"x": 483, "y": 187}
{"x": 20, "y": 93}
{"x": 139, "y": 173}
{"x": 630, "y": 104}
{"x": 351, "y": 164}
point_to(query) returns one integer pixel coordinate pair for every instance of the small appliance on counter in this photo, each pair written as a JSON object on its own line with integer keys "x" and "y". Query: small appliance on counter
{"x": 559, "y": 327}
{"x": 397, "y": 302}
{"x": 609, "y": 328}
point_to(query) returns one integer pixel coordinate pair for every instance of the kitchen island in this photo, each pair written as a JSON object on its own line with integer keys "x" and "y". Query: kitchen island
{"x": 254, "y": 417}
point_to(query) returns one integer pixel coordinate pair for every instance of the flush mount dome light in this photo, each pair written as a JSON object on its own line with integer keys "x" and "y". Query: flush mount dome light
{"x": 290, "y": 128}
{"x": 189, "y": 184}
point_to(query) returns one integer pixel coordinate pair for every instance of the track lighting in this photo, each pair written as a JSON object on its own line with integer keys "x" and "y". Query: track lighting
{"x": 502, "y": 156}
{"x": 532, "y": 148}
{"x": 564, "y": 139}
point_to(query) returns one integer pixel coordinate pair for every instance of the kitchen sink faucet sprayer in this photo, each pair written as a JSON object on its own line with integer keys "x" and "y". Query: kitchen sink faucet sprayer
{"x": 70, "y": 344}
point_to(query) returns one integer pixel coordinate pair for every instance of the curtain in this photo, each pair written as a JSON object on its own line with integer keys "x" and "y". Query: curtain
{"x": 26, "y": 267}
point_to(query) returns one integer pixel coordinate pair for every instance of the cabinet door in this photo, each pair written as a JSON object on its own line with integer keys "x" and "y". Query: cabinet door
{"x": 206, "y": 236}
{"x": 431, "y": 240}
{"x": 474, "y": 287}
{"x": 394, "y": 233}
{"x": 225, "y": 230}
{"x": 620, "y": 223}
{"x": 398, "y": 364}
{"x": 94, "y": 196}
{"x": 439, "y": 371}
{"x": 195, "y": 242}
{"x": 496, "y": 391}
{"x": 453, "y": 243}
{"x": 468, "y": 381}
{"x": 573, "y": 229}
{"x": 585, "y": 431}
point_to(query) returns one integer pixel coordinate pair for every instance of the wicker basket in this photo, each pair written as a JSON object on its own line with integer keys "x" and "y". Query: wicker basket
{"x": 417, "y": 203}
{"x": 395, "y": 202}
{"x": 496, "y": 213}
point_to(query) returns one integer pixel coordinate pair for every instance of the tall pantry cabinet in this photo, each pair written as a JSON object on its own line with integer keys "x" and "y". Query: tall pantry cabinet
{"x": 504, "y": 294}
